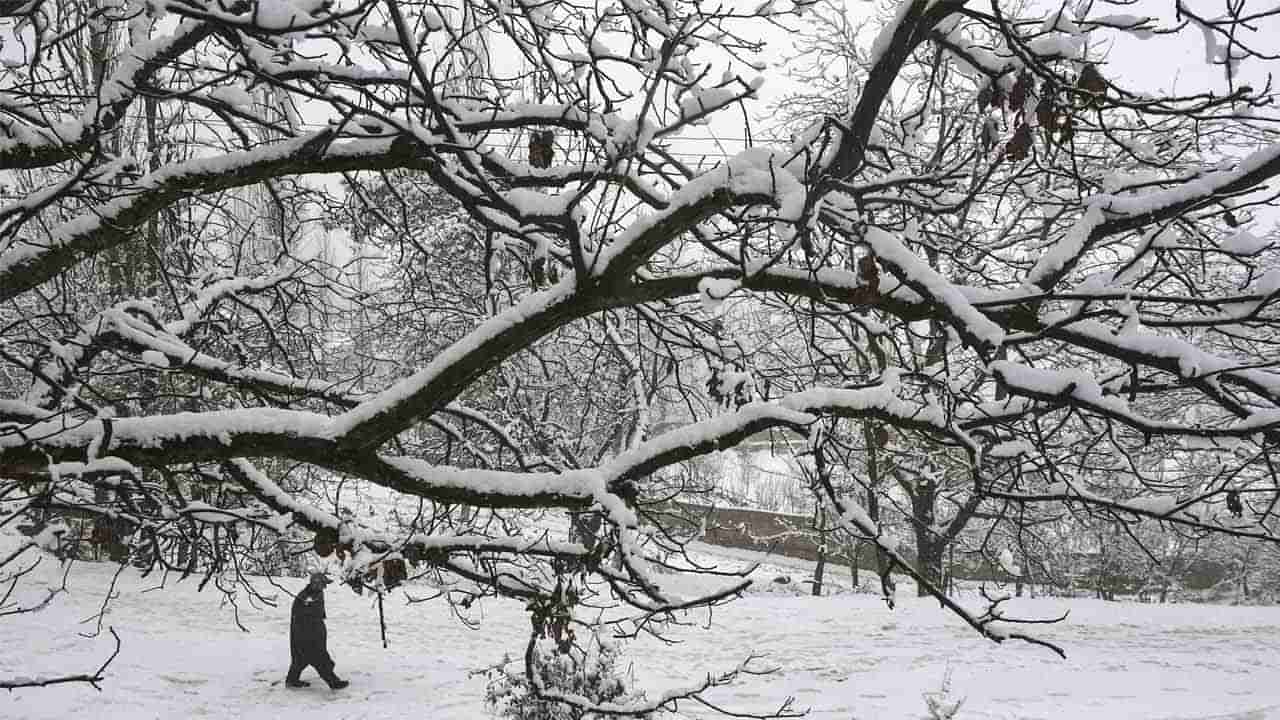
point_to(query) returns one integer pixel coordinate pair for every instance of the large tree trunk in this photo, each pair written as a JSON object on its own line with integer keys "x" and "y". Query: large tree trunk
{"x": 818, "y": 571}
{"x": 851, "y": 551}
{"x": 820, "y": 568}
{"x": 929, "y": 545}
{"x": 884, "y": 564}
{"x": 929, "y": 561}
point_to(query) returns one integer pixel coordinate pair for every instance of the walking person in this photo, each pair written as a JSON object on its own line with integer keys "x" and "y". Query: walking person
{"x": 308, "y": 638}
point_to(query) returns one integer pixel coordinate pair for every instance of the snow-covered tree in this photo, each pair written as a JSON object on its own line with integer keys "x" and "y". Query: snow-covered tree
{"x": 995, "y": 248}
{"x": 923, "y": 121}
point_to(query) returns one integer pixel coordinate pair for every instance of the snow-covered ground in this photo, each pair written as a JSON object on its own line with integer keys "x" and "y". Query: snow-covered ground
{"x": 845, "y": 656}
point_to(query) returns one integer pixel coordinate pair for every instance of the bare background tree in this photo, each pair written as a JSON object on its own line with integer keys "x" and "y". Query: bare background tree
{"x": 255, "y": 255}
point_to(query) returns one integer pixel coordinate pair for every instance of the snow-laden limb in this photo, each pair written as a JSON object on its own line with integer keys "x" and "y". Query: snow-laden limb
{"x": 30, "y": 145}
{"x": 17, "y": 411}
{"x": 795, "y": 411}
{"x": 1190, "y": 514}
{"x": 206, "y": 298}
{"x": 571, "y": 488}
{"x": 1109, "y": 214}
{"x": 191, "y": 437}
{"x": 375, "y": 420}
{"x": 835, "y": 284}
{"x": 163, "y": 439}
{"x": 977, "y": 59}
{"x": 1066, "y": 251}
{"x": 447, "y": 551}
{"x": 751, "y": 178}
{"x": 27, "y": 265}
{"x": 601, "y": 487}
{"x": 108, "y": 465}
{"x": 1078, "y": 388}
{"x": 268, "y": 491}
{"x": 134, "y": 326}
{"x": 977, "y": 329}
{"x": 1177, "y": 357}
{"x": 1160, "y": 506}
{"x": 708, "y": 436}
{"x": 121, "y": 329}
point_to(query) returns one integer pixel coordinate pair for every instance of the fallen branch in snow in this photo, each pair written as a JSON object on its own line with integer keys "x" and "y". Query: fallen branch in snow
{"x": 18, "y": 682}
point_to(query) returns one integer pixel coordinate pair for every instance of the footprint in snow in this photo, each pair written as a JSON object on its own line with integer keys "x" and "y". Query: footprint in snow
{"x": 187, "y": 680}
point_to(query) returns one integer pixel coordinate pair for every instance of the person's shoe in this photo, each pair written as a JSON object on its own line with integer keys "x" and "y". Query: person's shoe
{"x": 338, "y": 684}
{"x": 296, "y": 683}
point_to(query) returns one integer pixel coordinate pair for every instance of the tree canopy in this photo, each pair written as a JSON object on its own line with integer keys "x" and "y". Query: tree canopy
{"x": 253, "y": 250}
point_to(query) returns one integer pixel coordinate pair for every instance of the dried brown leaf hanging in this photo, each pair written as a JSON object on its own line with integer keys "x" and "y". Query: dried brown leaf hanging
{"x": 1019, "y": 146}
{"x": 541, "y": 148}
{"x": 1092, "y": 84}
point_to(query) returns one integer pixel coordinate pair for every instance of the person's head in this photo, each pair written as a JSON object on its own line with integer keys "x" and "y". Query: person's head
{"x": 319, "y": 580}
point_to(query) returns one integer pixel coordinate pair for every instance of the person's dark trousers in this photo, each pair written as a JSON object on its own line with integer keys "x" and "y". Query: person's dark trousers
{"x": 323, "y": 665}
{"x": 324, "y": 668}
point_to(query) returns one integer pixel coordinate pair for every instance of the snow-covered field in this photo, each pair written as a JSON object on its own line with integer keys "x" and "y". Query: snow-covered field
{"x": 845, "y": 656}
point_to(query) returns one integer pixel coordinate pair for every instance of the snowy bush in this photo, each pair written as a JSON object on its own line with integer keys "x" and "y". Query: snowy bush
{"x": 591, "y": 672}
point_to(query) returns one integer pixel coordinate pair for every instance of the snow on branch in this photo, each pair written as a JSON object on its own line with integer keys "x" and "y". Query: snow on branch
{"x": 1190, "y": 513}
{"x": 446, "y": 551}
{"x": 376, "y": 419}
{"x": 750, "y": 178}
{"x": 1080, "y": 389}
{"x": 1108, "y": 214}
{"x": 1173, "y": 355}
{"x": 18, "y": 412}
{"x": 979, "y": 330}
{"x": 27, "y": 265}
{"x": 35, "y": 143}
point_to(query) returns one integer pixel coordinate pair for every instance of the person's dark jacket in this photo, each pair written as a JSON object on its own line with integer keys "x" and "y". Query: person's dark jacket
{"x": 308, "y": 639}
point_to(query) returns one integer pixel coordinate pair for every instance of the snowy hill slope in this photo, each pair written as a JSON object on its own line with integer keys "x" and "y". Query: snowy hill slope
{"x": 845, "y": 656}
